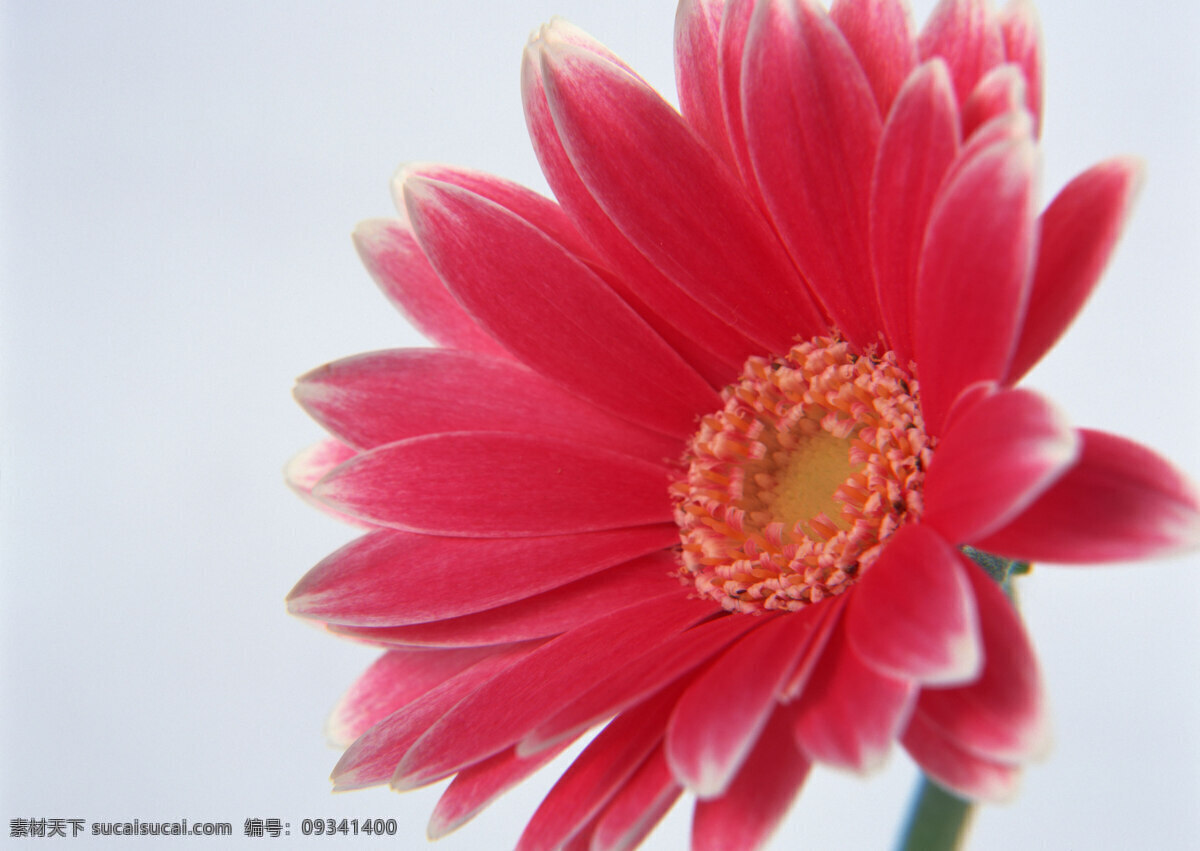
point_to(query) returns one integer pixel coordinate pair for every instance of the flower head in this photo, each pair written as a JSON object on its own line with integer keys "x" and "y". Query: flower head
{"x": 707, "y": 441}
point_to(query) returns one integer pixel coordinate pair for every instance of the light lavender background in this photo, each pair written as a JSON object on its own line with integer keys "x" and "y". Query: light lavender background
{"x": 180, "y": 182}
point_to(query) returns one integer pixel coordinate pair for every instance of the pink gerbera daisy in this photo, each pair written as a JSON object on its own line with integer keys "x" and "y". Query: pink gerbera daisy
{"x": 724, "y": 445}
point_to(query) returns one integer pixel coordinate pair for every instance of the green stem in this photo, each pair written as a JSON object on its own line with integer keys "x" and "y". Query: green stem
{"x": 938, "y": 822}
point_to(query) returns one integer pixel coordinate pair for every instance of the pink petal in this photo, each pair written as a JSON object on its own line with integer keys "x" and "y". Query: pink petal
{"x": 912, "y": 616}
{"x": 703, "y": 340}
{"x": 381, "y": 397}
{"x": 497, "y": 484}
{"x": 1121, "y": 501}
{"x": 881, "y": 33}
{"x": 640, "y": 677}
{"x": 756, "y": 801}
{"x": 698, "y": 336}
{"x": 1002, "y": 715}
{"x": 672, "y": 197}
{"x": 825, "y": 620}
{"x": 537, "y": 210}
{"x": 476, "y": 786}
{"x": 849, "y": 714}
{"x": 1001, "y": 90}
{"x": 1023, "y": 45}
{"x": 966, "y": 34}
{"x": 397, "y": 678}
{"x": 719, "y": 717}
{"x": 372, "y": 759}
{"x": 731, "y": 48}
{"x": 556, "y": 315}
{"x": 392, "y": 577}
{"x": 310, "y": 465}
{"x": 507, "y": 708}
{"x": 994, "y": 461}
{"x": 639, "y": 805}
{"x": 813, "y": 126}
{"x": 697, "y": 76}
{"x": 965, "y": 774}
{"x": 919, "y": 142}
{"x": 1079, "y": 231}
{"x": 598, "y": 773}
{"x": 542, "y": 615}
{"x": 390, "y": 252}
{"x": 975, "y": 270}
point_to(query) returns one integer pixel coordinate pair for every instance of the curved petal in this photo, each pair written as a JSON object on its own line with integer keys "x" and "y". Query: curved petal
{"x": 882, "y": 35}
{"x": 540, "y": 615}
{"x": 392, "y": 577}
{"x": 1079, "y": 231}
{"x": 849, "y": 714}
{"x": 718, "y": 719}
{"x": 812, "y": 126}
{"x": 918, "y": 144}
{"x": 598, "y": 773}
{"x": 485, "y": 484}
{"x": 697, "y": 73}
{"x": 994, "y": 461}
{"x": 703, "y": 339}
{"x": 381, "y": 397}
{"x": 1002, "y": 714}
{"x": 640, "y": 677}
{"x": 731, "y": 50}
{"x": 912, "y": 616}
{"x": 965, "y": 774}
{"x": 672, "y": 197}
{"x": 390, "y": 252}
{"x": 397, "y": 678}
{"x": 967, "y": 35}
{"x": 542, "y": 684}
{"x": 1001, "y": 90}
{"x": 1022, "y": 33}
{"x": 554, "y": 304}
{"x": 309, "y": 466}
{"x": 1121, "y": 501}
{"x": 476, "y": 786}
{"x": 538, "y": 210}
{"x": 744, "y": 818}
{"x": 639, "y": 805}
{"x": 975, "y": 271}
{"x": 372, "y": 759}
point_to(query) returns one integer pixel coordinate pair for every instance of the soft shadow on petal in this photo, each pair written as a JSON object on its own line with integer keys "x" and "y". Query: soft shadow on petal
{"x": 1002, "y": 714}
{"x": 744, "y": 818}
{"x": 965, "y": 774}
{"x": 994, "y": 460}
{"x": 849, "y": 714}
{"x": 913, "y": 614}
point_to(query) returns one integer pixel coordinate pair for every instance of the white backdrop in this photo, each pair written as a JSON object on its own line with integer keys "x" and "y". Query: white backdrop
{"x": 180, "y": 182}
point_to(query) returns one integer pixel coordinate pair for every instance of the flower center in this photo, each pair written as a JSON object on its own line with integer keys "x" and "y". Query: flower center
{"x": 792, "y": 488}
